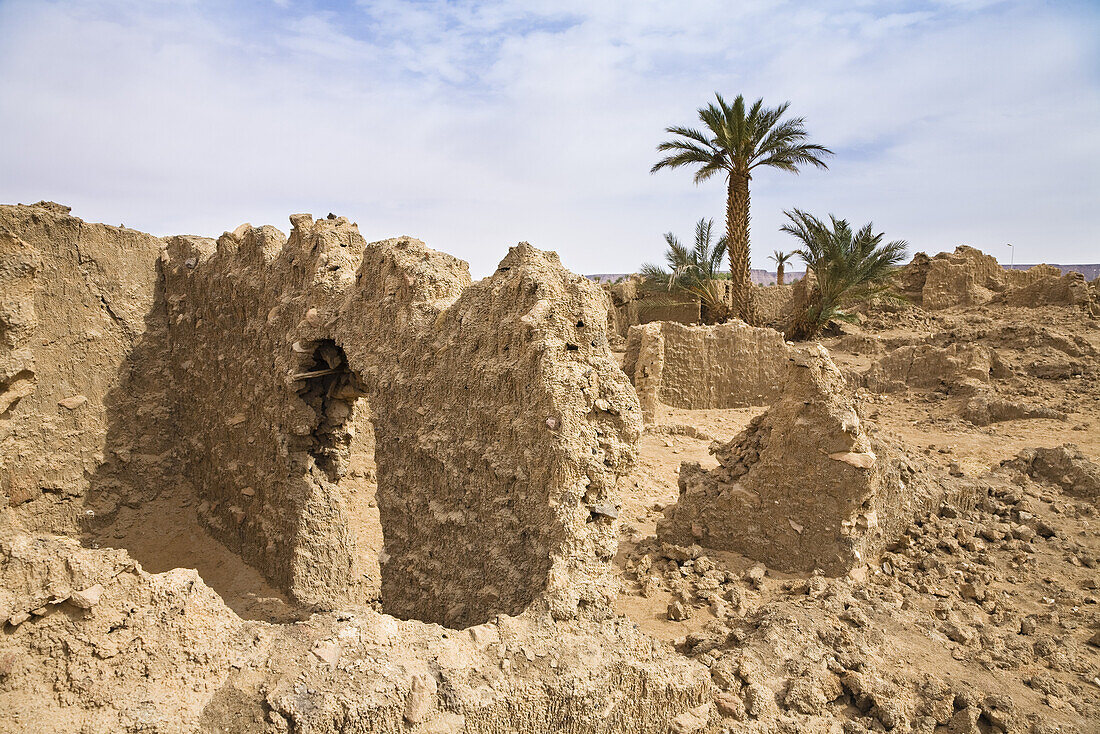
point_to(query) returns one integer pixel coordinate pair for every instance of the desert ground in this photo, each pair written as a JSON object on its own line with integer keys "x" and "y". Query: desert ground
{"x": 313, "y": 484}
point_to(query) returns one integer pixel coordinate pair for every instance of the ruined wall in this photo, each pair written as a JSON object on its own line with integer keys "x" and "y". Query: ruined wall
{"x": 805, "y": 486}
{"x": 632, "y": 303}
{"x": 771, "y": 300}
{"x": 1023, "y": 278}
{"x": 500, "y": 421}
{"x": 256, "y": 372}
{"x": 255, "y": 445}
{"x": 1070, "y": 289}
{"x": 956, "y": 367}
{"x": 723, "y": 366}
{"x": 969, "y": 277}
{"x": 74, "y": 300}
{"x": 964, "y": 277}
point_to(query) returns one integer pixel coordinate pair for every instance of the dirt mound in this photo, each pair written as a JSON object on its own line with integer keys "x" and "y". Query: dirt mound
{"x": 93, "y": 643}
{"x": 982, "y": 410}
{"x": 805, "y": 486}
{"x": 1063, "y": 465}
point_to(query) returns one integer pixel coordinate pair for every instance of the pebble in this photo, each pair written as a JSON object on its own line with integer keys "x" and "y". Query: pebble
{"x": 72, "y": 403}
{"x": 87, "y": 598}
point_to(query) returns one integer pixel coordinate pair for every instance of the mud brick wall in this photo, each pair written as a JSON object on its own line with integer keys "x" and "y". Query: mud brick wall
{"x": 695, "y": 367}
{"x": 501, "y": 422}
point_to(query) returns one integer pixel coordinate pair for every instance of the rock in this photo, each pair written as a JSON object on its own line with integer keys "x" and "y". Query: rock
{"x": 18, "y": 618}
{"x": 863, "y": 460}
{"x": 608, "y": 511}
{"x": 805, "y": 696}
{"x": 760, "y": 701}
{"x": 327, "y": 652}
{"x": 72, "y": 403}
{"x": 965, "y": 721}
{"x": 678, "y": 612}
{"x": 691, "y": 721}
{"x": 87, "y": 598}
{"x": 755, "y": 575}
{"x": 421, "y": 698}
{"x": 730, "y": 705}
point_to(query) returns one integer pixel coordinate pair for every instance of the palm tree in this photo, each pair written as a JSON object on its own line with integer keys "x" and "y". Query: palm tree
{"x": 848, "y": 266}
{"x": 695, "y": 272}
{"x": 781, "y": 259}
{"x": 738, "y": 141}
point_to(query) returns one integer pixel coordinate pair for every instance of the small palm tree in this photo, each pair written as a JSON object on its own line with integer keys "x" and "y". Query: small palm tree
{"x": 737, "y": 141}
{"x": 695, "y": 271}
{"x": 849, "y": 267}
{"x": 781, "y": 259}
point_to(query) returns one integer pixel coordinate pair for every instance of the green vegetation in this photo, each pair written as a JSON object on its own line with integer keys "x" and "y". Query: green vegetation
{"x": 737, "y": 141}
{"x": 694, "y": 271}
{"x": 848, "y": 266}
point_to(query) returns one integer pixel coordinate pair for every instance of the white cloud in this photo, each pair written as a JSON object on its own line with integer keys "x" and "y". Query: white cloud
{"x": 474, "y": 125}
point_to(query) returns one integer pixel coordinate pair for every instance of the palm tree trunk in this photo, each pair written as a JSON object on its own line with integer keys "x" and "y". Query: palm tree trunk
{"x": 779, "y": 274}
{"x": 737, "y": 237}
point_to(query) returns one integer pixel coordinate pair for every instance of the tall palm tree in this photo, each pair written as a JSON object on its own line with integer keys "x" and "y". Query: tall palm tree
{"x": 848, "y": 266}
{"x": 781, "y": 259}
{"x": 738, "y": 141}
{"x": 694, "y": 271}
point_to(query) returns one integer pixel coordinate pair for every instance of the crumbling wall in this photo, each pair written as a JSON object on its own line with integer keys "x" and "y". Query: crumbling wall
{"x": 984, "y": 409}
{"x": 74, "y": 299}
{"x": 1065, "y": 465}
{"x": 723, "y": 366}
{"x": 805, "y": 486}
{"x": 964, "y": 277}
{"x": 501, "y": 422}
{"x": 261, "y": 447}
{"x": 633, "y": 302}
{"x": 955, "y": 367}
{"x": 1023, "y": 278}
{"x": 969, "y": 277}
{"x": 771, "y": 301}
{"x": 1070, "y": 290}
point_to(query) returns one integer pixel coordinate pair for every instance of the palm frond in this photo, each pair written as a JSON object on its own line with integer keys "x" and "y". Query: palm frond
{"x": 849, "y": 266}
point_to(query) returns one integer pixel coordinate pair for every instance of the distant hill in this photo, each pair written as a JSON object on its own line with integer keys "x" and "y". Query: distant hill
{"x": 767, "y": 277}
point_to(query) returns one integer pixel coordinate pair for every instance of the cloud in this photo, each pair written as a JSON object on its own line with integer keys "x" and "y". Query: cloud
{"x": 476, "y": 125}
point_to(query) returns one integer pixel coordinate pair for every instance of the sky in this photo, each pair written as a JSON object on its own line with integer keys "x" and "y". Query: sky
{"x": 476, "y": 125}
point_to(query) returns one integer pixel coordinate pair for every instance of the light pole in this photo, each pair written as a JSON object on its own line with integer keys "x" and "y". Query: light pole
{"x": 1011, "y": 255}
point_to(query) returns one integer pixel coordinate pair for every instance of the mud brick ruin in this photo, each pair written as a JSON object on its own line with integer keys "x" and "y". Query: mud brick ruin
{"x": 308, "y": 483}
{"x": 724, "y": 366}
